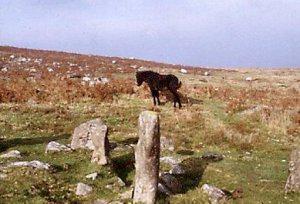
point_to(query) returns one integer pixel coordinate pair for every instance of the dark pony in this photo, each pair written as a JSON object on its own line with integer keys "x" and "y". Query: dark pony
{"x": 158, "y": 82}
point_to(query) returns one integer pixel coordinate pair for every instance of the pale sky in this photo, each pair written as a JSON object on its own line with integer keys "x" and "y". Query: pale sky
{"x": 215, "y": 33}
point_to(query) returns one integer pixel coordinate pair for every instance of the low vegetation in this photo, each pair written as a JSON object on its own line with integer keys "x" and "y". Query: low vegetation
{"x": 254, "y": 124}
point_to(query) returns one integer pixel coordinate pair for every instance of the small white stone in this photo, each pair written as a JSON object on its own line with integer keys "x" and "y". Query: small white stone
{"x": 86, "y": 79}
{"x": 248, "y": 79}
{"x": 206, "y": 73}
{"x": 92, "y": 176}
{"x": 121, "y": 182}
{"x": 183, "y": 71}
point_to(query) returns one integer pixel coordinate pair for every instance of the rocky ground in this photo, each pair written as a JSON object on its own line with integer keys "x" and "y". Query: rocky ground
{"x": 235, "y": 132}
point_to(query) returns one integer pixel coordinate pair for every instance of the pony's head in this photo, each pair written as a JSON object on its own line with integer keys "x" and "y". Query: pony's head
{"x": 139, "y": 78}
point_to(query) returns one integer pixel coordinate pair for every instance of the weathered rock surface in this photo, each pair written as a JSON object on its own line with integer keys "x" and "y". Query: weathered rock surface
{"x": 11, "y": 154}
{"x": 101, "y": 144}
{"x": 56, "y": 147}
{"x": 93, "y": 135}
{"x": 147, "y": 158}
{"x": 126, "y": 194}
{"x": 163, "y": 189}
{"x": 35, "y": 164}
{"x": 166, "y": 144}
{"x": 81, "y": 137}
{"x": 170, "y": 182}
{"x": 293, "y": 181}
{"x": 215, "y": 195}
{"x": 212, "y": 156}
{"x": 83, "y": 189}
{"x": 170, "y": 160}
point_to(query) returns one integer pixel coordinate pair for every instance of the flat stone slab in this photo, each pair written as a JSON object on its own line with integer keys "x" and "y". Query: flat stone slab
{"x": 34, "y": 164}
{"x": 54, "y": 146}
{"x": 83, "y": 189}
{"x": 11, "y": 154}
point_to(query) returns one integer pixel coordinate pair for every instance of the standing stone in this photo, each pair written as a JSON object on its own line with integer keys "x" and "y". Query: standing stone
{"x": 92, "y": 135}
{"x": 147, "y": 158}
{"x": 293, "y": 181}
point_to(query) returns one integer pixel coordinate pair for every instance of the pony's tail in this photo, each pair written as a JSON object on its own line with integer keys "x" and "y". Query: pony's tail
{"x": 179, "y": 85}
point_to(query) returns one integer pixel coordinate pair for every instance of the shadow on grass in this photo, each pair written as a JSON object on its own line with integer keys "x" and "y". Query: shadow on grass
{"x": 194, "y": 169}
{"x": 128, "y": 141}
{"x": 5, "y": 144}
{"x": 123, "y": 165}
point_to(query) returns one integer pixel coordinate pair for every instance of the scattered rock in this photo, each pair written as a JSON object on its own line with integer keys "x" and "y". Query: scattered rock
{"x": 121, "y": 182}
{"x": 206, "y": 73}
{"x": 215, "y": 195}
{"x": 3, "y": 176}
{"x": 86, "y": 79}
{"x": 293, "y": 181}
{"x": 170, "y": 160}
{"x": 83, "y": 189}
{"x": 248, "y": 79}
{"x": 183, "y": 71}
{"x": 35, "y": 164}
{"x": 109, "y": 186}
{"x": 255, "y": 109}
{"x": 32, "y": 70}
{"x": 11, "y": 154}
{"x": 92, "y": 176}
{"x": 166, "y": 144}
{"x": 212, "y": 156}
{"x": 170, "y": 182}
{"x": 56, "y": 147}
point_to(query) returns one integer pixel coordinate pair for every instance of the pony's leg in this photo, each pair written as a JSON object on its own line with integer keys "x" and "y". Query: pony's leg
{"x": 153, "y": 96}
{"x": 157, "y": 96}
{"x": 176, "y": 98}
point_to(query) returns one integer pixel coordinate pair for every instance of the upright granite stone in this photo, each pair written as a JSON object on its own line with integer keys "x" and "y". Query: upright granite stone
{"x": 147, "y": 158}
{"x": 293, "y": 181}
{"x": 92, "y": 135}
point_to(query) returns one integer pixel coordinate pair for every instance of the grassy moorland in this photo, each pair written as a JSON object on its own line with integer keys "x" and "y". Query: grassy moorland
{"x": 254, "y": 124}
